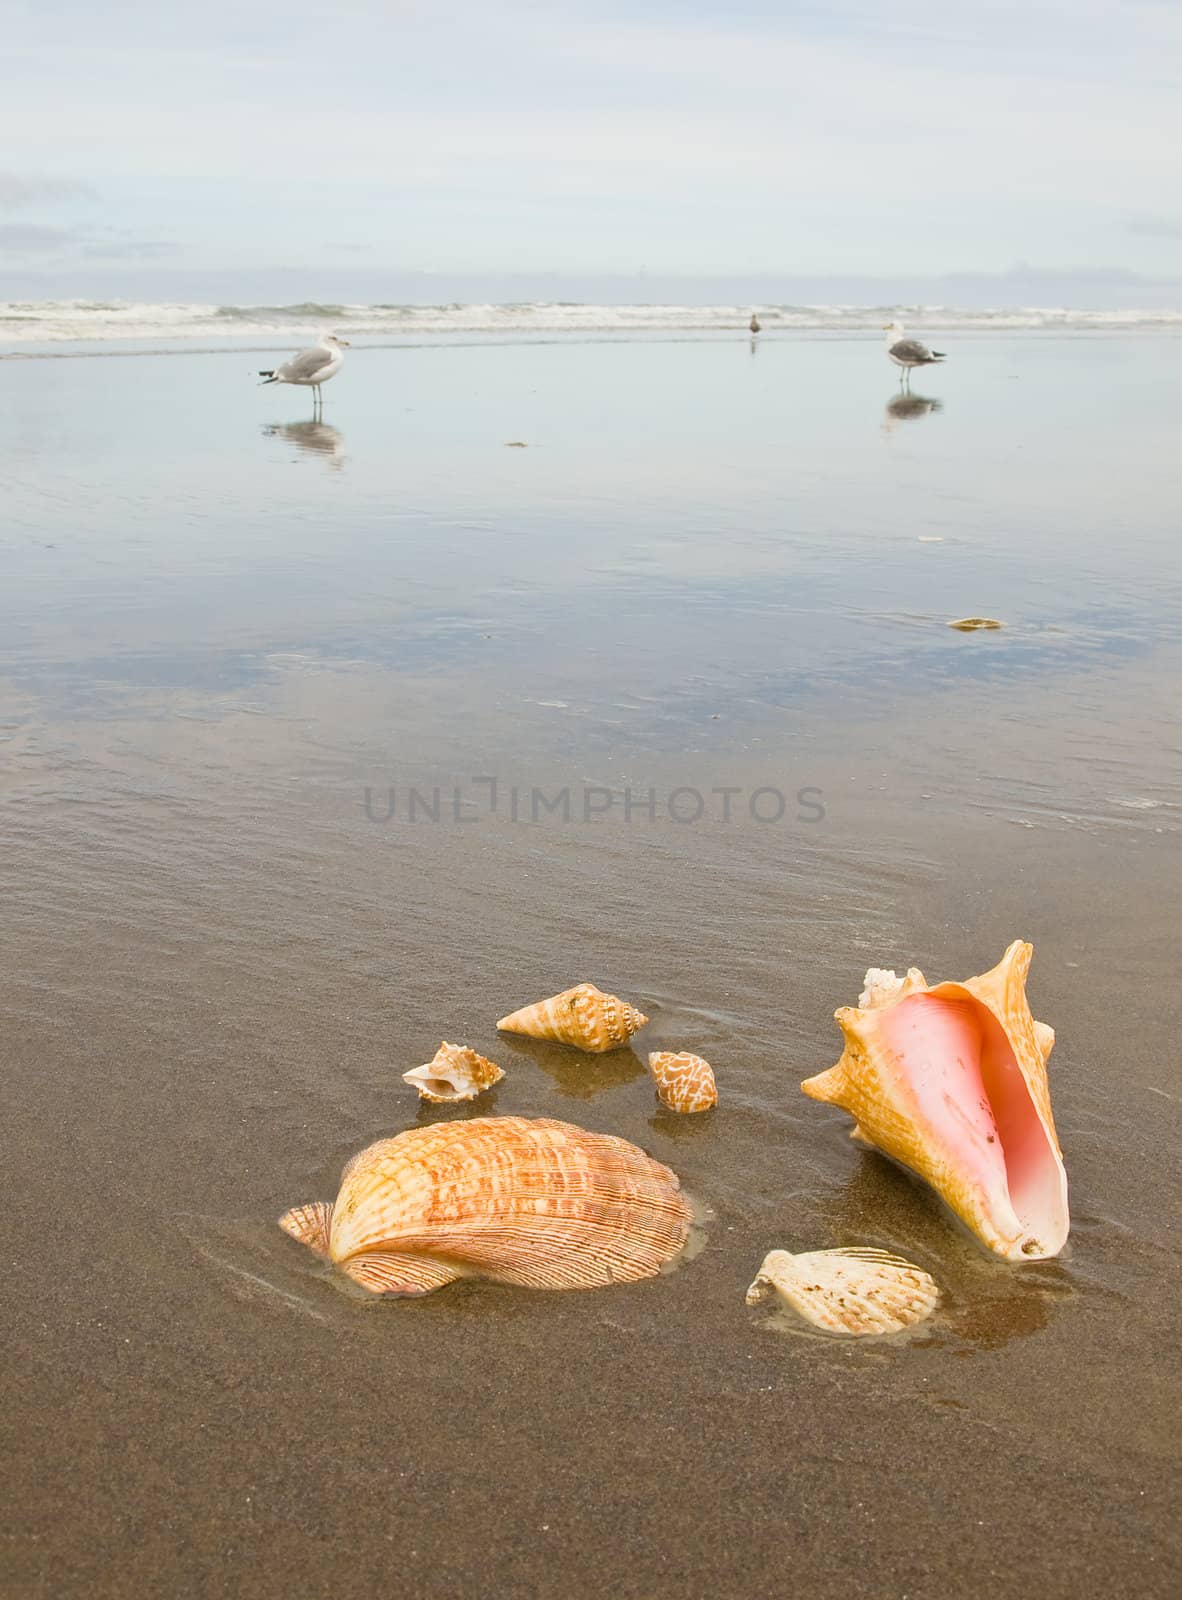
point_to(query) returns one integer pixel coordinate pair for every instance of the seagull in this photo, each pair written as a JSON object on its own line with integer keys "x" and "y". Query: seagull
{"x": 908, "y": 353}
{"x": 754, "y": 323}
{"x": 312, "y": 367}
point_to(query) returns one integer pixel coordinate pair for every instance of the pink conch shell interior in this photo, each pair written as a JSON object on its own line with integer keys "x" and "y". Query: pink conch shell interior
{"x": 968, "y": 1087}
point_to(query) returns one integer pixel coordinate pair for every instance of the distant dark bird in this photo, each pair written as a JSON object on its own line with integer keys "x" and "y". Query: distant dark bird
{"x": 754, "y": 323}
{"x": 312, "y": 367}
{"x": 908, "y": 353}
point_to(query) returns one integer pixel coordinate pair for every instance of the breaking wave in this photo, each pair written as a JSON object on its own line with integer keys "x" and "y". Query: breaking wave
{"x": 54, "y": 321}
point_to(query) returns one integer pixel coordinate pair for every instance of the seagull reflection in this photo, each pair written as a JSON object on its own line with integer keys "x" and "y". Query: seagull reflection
{"x": 906, "y": 407}
{"x": 314, "y": 438}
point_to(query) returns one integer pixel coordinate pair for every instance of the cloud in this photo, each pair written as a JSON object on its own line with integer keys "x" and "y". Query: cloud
{"x": 126, "y": 249}
{"x": 29, "y": 238}
{"x": 695, "y": 135}
{"x": 19, "y": 193}
{"x": 33, "y": 239}
{"x": 1157, "y": 227}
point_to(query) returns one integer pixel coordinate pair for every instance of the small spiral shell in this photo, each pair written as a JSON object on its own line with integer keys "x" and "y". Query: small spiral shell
{"x": 583, "y": 1016}
{"x": 454, "y": 1073}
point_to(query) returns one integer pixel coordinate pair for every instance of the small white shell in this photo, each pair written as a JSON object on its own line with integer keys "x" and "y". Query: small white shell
{"x": 851, "y": 1291}
{"x": 879, "y": 984}
{"x": 455, "y": 1073}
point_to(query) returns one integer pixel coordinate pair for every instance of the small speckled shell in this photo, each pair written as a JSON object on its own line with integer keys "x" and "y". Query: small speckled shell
{"x": 848, "y": 1291}
{"x": 684, "y": 1082}
{"x": 454, "y": 1073}
{"x": 525, "y": 1201}
{"x": 583, "y": 1016}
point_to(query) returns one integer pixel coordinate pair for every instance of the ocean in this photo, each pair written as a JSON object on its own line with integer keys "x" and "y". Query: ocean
{"x": 54, "y": 321}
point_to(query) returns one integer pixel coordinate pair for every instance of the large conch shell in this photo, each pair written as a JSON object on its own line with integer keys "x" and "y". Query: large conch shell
{"x": 684, "y": 1082}
{"x": 453, "y": 1073}
{"x": 951, "y": 1081}
{"x": 848, "y": 1291}
{"x": 583, "y": 1016}
{"x": 527, "y": 1201}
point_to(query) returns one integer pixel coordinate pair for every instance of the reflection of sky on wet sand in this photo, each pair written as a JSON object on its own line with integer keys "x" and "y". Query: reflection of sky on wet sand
{"x": 658, "y": 485}
{"x": 696, "y": 553}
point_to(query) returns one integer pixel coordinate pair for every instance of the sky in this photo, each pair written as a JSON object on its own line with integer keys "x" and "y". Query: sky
{"x": 254, "y": 150}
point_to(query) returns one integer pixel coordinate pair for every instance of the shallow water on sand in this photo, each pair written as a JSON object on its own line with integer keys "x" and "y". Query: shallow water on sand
{"x": 675, "y": 694}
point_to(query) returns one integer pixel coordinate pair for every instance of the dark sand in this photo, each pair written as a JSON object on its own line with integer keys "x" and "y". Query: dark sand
{"x": 704, "y": 571}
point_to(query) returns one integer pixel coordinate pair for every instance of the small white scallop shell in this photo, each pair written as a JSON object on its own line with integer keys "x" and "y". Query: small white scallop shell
{"x": 849, "y": 1291}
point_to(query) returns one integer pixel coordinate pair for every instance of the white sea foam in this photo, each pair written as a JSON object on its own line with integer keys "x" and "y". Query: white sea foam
{"x": 54, "y": 321}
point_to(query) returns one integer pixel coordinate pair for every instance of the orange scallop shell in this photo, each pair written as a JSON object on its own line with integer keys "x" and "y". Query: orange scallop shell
{"x": 520, "y": 1200}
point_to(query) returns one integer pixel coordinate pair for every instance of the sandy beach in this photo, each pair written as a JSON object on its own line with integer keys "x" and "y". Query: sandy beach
{"x": 717, "y": 580}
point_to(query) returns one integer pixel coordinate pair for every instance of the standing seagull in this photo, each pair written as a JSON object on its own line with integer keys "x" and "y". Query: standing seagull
{"x": 312, "y": 367}
{"x": 908, "y": 353}
{"x": 754, "y": 323}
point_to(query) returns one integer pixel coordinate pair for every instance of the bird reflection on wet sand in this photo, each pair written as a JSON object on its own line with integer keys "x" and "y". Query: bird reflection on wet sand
{"x": 908, "y": 407}
{"x": 311, "y": 438}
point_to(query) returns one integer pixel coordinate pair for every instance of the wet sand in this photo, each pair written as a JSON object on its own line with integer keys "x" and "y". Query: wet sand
{"x": 228, "y": 641}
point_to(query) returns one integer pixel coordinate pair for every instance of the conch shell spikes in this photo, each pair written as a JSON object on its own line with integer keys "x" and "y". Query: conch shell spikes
{"x": 684, "y": 1082}
{"x": 454, "y": 1073}
{"x": 520, "y": 1200}
{"x": 583, "y": 1016}
{"x": 951, "y": 1081}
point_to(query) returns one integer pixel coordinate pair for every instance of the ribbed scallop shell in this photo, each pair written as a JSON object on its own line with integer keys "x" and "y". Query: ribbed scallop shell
{"x": 583, "y": 1016}
{"x": 453, "y": 1073}
{"x": 525, "y": 1201}
{"x": 849, "y": 1291}
{"x": 951, "y": 1081}
{"x": 684, "y": 1082}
